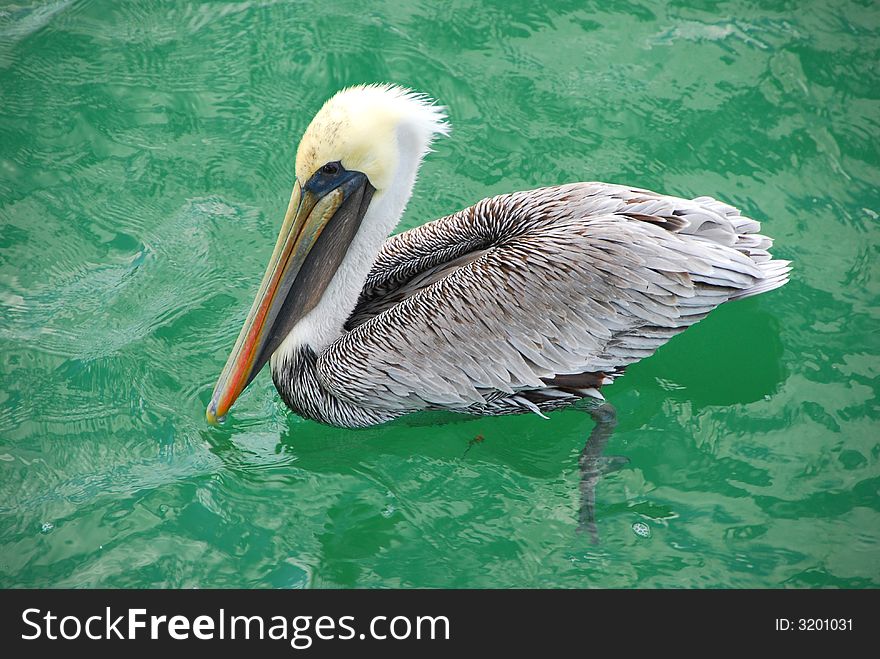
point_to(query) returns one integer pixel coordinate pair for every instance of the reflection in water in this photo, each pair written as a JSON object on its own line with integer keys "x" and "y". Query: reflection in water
{"x": 593, "y": 465}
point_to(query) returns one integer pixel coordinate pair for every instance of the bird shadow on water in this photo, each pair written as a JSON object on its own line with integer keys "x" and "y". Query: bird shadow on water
{"x": 729, "y": 358}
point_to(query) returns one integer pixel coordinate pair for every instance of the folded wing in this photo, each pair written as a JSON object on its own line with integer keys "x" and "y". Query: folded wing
{"x": 558, "y": 285}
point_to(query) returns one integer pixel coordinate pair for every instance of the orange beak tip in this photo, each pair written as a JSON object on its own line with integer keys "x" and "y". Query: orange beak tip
{"x": 211, "y": 415}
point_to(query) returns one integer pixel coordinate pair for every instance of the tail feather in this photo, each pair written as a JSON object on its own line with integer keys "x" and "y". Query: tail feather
{"x": 775, "y": 275}
{"x": 756, "y": 246}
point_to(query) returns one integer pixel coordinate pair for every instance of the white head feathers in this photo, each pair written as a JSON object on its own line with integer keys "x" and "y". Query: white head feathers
{"x": 372, "y": 129}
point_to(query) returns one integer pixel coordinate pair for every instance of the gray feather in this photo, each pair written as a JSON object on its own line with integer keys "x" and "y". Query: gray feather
{"x": 479, "y": 311}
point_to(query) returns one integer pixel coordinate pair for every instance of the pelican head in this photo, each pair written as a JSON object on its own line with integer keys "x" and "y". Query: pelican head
{"x": 355, "y": 169}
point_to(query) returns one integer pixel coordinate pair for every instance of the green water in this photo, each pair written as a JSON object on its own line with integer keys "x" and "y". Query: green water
{"x": 146, "y": 159}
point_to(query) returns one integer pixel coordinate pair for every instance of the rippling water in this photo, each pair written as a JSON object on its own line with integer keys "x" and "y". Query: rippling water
{"x": 146, "y": 157}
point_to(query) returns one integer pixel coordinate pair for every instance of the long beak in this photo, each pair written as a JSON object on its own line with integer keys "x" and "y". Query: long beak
{"x": 319, "y": 225}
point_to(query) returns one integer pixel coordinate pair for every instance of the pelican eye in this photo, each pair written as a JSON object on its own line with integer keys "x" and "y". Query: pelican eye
{"x": 330, "y": 169}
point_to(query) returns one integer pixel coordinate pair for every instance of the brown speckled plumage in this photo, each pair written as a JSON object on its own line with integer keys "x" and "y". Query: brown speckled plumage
{"x": 528, "y": 302}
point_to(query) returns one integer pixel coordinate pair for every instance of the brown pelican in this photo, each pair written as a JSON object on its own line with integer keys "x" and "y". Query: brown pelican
{"x": 524, "y": 302}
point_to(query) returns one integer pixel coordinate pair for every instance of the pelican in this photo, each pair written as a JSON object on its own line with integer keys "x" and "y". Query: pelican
{"x": 523, "y": 303}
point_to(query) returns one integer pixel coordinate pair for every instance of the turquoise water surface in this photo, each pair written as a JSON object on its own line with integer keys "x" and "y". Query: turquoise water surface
{"x": 146, "y": 159}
